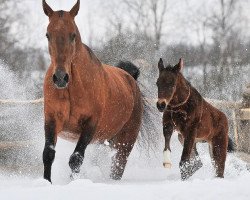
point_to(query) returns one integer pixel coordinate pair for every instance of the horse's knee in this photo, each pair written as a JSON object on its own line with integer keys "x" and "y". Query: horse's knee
{"x": 48, "y": 155}
{"x": 75, "y": 162}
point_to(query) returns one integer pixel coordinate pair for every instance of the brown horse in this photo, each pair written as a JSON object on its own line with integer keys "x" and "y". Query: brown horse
{"x": 84, "y": 100}
{"x": 195, "y": 119}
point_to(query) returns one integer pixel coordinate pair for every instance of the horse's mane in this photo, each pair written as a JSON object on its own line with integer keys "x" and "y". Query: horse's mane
{"x": 92, "y": 55}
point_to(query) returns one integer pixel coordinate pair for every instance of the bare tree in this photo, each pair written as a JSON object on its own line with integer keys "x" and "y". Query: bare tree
{"x": 149, "y": 16}
{"x": 223, "y": 23}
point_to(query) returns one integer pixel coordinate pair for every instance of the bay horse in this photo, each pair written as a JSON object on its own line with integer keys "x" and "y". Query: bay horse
{"x": 86, "y": 101}
{"x": 186, "y": 111}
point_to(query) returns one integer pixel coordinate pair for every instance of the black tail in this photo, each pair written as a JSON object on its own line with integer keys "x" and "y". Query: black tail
{"x": 231, "y": 146}
{"x": 129, "y": 67}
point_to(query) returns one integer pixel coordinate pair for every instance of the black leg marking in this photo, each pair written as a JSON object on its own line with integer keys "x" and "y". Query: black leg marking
{"x": 87, "y": 130}
{"x": 49, "y": 151}
{"x": 75, "y": 162}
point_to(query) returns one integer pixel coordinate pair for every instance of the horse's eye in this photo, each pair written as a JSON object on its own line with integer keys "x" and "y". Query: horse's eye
{"x": 48, "y": 37}
{"x": 72, "y": 37}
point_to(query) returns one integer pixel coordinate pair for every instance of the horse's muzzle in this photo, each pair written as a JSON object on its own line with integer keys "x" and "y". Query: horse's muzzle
{"x": 161, "y": 106}
{"x": 60, "y": 79}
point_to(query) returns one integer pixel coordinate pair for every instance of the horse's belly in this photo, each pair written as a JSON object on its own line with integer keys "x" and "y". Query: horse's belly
{"x": 70, "y": 136}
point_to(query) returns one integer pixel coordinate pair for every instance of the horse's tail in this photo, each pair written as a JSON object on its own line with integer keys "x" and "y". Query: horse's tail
{"x": 230, "y": 146}
{"x": 129, "y": 67}
{"x": 149, "y": 135}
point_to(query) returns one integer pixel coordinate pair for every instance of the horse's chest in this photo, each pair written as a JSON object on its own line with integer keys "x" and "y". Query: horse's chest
{"x": 179, "y": 119}
{"x": 68, "y": 115}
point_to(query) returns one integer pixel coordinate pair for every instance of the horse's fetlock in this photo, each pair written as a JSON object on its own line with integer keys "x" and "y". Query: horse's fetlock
{"x": 48, "y": 155}
{"x": 75, "y": 162}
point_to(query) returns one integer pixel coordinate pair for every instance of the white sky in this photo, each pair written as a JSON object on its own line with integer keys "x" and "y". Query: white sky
{"x": 177, "y": 28}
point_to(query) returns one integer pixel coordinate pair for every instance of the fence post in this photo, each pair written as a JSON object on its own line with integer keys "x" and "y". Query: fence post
{"x": 244, "y": 122}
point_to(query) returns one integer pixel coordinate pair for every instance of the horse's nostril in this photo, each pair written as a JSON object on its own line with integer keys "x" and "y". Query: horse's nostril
{"x": 60, "y": 78}
{"x": 66, "y": 78}
{"x": 55, "y": 79}
{"x": 161, "y": 106}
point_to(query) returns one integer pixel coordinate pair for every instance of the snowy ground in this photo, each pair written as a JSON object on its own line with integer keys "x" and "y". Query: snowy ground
{"x": 145, "y": 178}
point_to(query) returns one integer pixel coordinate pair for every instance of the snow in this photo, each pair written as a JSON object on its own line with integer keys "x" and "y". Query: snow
{"x": 144, "y": 178}
{"x": 85, "y": 189}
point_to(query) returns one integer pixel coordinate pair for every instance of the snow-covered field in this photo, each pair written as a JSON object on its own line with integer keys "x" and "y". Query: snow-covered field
{"x": 144, "y": 178}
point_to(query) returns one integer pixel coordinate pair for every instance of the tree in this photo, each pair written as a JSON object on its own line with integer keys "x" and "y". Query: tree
{"x": 223, "y": 23}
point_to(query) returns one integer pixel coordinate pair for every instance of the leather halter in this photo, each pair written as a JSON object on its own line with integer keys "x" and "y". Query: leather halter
{"x": 185, "y": 101}
{"x": 184, "y": 112}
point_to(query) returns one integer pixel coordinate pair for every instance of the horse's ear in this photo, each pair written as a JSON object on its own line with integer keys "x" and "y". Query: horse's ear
{"x": 47, "y": 10}
{"x": 74, "y": 11}
{"x": 180, "y": 65}
{"x": 160, "y": 65}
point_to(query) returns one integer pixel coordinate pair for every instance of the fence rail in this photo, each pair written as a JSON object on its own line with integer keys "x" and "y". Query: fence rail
{"x": 238, "y": 113}
{"x": 21, "y": 102}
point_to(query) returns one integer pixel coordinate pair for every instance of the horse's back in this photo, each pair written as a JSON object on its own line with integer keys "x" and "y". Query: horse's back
{"x": 122, "y": 78}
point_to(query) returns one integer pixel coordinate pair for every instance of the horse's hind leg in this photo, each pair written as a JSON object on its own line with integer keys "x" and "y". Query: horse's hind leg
{"x": 219, "y": 152}
{"x": 124, "y": 142}
{"x": 119, "y": 160}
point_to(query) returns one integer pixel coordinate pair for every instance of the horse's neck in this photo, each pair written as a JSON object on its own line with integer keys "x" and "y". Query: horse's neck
{"x": 86, "y": 69}
{"x": 182, "y": 92}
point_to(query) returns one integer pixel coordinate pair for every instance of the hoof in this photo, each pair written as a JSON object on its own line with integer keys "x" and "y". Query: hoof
{"x": 74, "y": 176}
{"x": 115, "y": 177}
{"x": 75, "y": 162}
{"x": 166, "y": 159}
{"x": 188, "y": 168}
{"x": 167, "y": 165}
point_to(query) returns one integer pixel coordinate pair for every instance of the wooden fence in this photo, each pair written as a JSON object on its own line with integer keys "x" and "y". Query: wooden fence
{"x": 240, "y": 121}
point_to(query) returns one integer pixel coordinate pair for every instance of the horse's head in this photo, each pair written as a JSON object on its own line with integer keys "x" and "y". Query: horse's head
{"x": 166, "y": 83}
{"x": 63, "y": 35}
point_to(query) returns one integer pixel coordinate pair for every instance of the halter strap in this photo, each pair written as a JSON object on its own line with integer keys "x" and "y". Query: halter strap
{"x": 185, "y": 101}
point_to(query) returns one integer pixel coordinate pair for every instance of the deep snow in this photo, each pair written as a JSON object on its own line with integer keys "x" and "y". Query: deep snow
{"x": 144, "y": 178}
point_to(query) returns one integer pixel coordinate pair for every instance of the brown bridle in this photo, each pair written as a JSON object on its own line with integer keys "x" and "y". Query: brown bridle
{"x": 185, "y": 101}
{"x": 181, "y": 104}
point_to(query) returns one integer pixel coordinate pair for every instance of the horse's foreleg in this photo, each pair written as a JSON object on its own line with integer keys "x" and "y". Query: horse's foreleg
{"x": 49, "y": 148}
{"x": 195, "y": 160}
{"x": 186, "y": 166}
{"x": 167, "y": 132}
{"x": 76, "y": 159}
